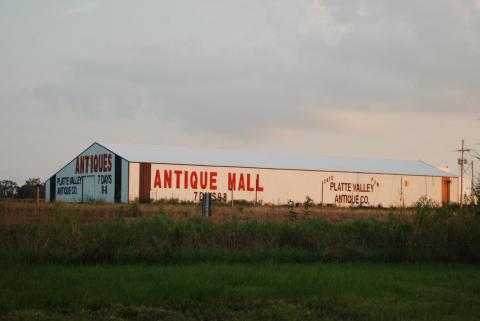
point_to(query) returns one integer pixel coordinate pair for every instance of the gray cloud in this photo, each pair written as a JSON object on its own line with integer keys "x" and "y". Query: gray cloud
{"x": 240, "y": 70}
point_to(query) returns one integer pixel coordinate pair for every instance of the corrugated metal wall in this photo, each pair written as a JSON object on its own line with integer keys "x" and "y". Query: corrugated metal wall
{"x": 188, "y": 183}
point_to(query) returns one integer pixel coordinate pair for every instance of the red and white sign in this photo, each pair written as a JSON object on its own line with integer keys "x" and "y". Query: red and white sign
{"x": 205, "y": 180}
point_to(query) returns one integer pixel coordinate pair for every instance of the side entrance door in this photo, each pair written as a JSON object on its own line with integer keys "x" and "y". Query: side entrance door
{"x": 446, "y": 190}
{"x": 88, "y": 189}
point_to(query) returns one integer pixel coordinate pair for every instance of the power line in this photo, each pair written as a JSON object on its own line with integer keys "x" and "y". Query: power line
{"x": 475, "y": 154}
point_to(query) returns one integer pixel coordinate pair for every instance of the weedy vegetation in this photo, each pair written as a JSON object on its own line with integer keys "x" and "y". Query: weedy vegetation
{"x": 166, "y": 262}
{"x": 426, "y": 234}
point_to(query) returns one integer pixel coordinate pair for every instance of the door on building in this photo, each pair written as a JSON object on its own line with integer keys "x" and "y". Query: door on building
{"x": 145, "y": 182}
{"x": 88, "y": 189}
{"x": 446, "y": 190}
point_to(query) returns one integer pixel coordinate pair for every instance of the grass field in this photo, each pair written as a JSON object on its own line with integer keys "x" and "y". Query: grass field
{"x": 240, "y": 292}
{"x": 161, "y": 262}
{"x": 28, "y": 212}
{"x": 428, "y": 236}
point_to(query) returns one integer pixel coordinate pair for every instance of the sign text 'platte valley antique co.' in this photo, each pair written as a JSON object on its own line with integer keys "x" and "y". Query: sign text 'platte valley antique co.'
{"x": 353, "y": 193}
{"x": 97, "y": 167}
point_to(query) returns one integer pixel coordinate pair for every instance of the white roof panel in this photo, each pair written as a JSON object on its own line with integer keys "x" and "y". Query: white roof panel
{"x": 144, "y": 153}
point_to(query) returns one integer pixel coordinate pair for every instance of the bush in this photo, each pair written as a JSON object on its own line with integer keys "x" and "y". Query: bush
{"x": 426, "y": 203}
{"x": 308, "y": 203}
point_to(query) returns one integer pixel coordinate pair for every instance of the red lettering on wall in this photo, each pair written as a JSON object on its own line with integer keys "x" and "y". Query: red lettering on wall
{"x": 249, "y": 187}
{"x": 101, "y": 158}
{"x": 203, "y": 180}
{"x": 185, "y": 180}
{"x": 158, "y": 182}
{"x": 82, "y": 165}
{"x": 177, "y": 178}
{"x": 105, "y": 163}
{"x": 213, "y": 181}
{"x": 241, "y": 183}
{"x": 257, "y": 184}
{"x": 232, "y": 181}
{"x": 95, "y": 163}
{"x": 167, "y": 179}
{"x": 194, "y": 180}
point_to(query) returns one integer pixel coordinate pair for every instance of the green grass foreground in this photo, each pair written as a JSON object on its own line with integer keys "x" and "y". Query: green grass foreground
{"x": 240, "y": 292}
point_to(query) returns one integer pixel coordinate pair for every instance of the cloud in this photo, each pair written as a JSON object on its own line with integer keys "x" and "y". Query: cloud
{"x": 322, "y": 19}
{"x": 84, "y": 8}
{"x": 263, "y": 73}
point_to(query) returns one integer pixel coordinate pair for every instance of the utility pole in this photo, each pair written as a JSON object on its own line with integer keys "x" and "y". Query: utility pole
{"x": 462, "y": 161}
{"x": 38, "y": 197}
{"x": 472, "y": 187}
{"x": 402, "y": 199}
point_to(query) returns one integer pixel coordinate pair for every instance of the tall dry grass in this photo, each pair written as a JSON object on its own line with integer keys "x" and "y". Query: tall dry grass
{"x": 131, "y": 234}
{"x": 29, "y": 212}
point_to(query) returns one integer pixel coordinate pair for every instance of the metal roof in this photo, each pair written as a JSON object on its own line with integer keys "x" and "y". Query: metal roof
{"x": 144, "y": 153}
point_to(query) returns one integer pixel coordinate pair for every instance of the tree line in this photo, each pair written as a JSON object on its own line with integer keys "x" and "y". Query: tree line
{"x": 11, "y": 190}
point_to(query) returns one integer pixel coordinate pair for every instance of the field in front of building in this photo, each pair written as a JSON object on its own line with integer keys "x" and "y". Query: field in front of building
{"x": 132, "y": 235}
{"x": 166, "y": 262}
{"x": 26, "y": 212}
{"x": 216, "y": 291}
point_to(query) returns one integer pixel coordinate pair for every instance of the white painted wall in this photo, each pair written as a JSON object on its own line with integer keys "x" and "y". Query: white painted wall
{"x": 280, "y": 186}
{"x": 47, "y": 191}
{"x": 92, "y": 183}
{"x": 125, "y": 178}
{"x": 275, "y": 186}
{"x": 133, "y": 181}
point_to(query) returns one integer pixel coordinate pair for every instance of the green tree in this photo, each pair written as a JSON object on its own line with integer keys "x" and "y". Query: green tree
{"x": 476, "y": 193}
{"x": 29, "y": 189}
{"x": 8, "y": 189}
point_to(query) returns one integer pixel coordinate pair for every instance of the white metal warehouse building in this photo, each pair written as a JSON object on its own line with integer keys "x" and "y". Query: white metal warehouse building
{"x": 123, "y": 173}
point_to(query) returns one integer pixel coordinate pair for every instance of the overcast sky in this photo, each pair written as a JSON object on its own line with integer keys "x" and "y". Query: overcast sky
{"x": 378, "y": 79}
